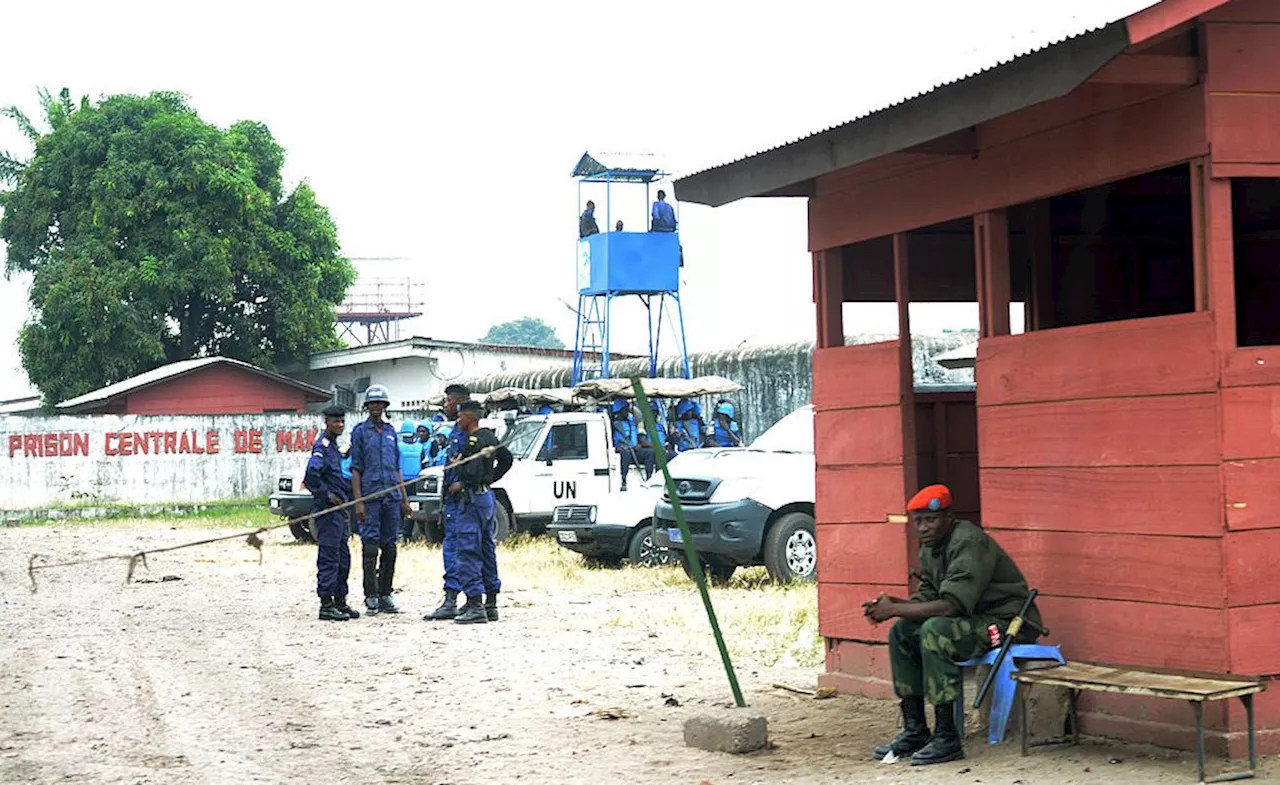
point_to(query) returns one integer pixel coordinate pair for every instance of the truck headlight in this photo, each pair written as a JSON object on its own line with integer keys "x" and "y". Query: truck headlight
{"x": 591, "y": 514}
{"x": 734, "y": 490}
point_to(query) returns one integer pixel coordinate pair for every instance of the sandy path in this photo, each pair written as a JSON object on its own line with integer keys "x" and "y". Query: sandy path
{"x": 225, "y": 677}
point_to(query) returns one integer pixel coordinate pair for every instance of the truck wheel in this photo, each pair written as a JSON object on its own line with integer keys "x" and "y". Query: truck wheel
{"x": 643, "y": 552}
{"x": 718, "y": 573}
{"x": 504, "y": 528}
{"x": 791, "y": 549}
{"x": 301, "y": 532}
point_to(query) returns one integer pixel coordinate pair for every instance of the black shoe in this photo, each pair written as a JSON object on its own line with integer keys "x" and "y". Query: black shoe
{"x": 945, "y": 744}
{"x": 371, "y": 606}
{"x": 329, "y": 612}
{"x": 491, "y": 606}
{"x": 447, "y": 610}
{"x": 387, "y": 605}
{"x": 915, "y": 731}
{"x": 341, "y": 604}
{"x": 472, "y": 613}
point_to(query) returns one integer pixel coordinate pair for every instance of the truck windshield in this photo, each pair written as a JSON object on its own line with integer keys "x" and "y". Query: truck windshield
{"x": 793, "y": 433}
{"x": 521, "y": 437}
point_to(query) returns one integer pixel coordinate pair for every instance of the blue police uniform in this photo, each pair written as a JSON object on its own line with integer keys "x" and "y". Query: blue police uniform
{"x": 722, "y": 435}
{"x": 453, "y": 450}
{"x": 688, "y": 425}
{"x": 375, "y": 454}
{"x": 476, "y": 521}
{"x": 333, "y": 557}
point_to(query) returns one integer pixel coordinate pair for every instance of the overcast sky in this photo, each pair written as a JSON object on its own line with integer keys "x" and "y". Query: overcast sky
{"x": 445, "y": 133}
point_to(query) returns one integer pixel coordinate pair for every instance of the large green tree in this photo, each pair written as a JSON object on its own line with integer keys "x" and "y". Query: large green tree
{"x": 154, "y": 236}
{"x": 524, "y": 332}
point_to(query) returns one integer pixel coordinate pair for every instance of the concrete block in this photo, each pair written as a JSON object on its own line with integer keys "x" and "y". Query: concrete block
{"x": 727, "y": 730}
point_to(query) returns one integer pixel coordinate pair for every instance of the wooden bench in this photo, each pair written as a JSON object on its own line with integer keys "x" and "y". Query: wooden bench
{"x": 1197, "y": 689}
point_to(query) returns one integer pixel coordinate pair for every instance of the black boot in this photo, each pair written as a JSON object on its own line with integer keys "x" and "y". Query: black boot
{"x": 915, "y": 731}
{"x": 945, "y": 744}
{"x": 369, "y": 561}
{"x": 341, "y": 604}
{"x": 329, "y": 612}
{"x": 491, "y": 606}
{"x": 447, "y": 610}
{"x": 472, "y": 612}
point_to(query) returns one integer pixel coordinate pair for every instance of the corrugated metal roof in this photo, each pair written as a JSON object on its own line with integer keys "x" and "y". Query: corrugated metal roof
{"x": 623, "y": 167}
{"x": 175, "y": 369}
{"x": 1030, "y": 43}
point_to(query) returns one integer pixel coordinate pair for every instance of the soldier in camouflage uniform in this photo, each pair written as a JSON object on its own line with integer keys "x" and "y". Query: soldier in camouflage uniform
{"x": 967, "y": 584}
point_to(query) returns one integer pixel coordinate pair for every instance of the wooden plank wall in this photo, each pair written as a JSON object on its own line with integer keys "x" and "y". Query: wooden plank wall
{"x": 1242, "y": 51}
{"x": 1100, "y": 475}
{"x": 859, "y": 451}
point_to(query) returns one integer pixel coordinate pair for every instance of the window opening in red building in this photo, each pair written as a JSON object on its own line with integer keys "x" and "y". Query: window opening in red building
{"x": 1255, "y": 206}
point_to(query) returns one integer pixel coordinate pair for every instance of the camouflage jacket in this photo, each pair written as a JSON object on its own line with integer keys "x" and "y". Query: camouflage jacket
{"x": 973, "y": 571}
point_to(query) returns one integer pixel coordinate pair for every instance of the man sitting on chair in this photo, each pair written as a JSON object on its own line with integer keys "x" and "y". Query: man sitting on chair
{"x": 969, "y": 592}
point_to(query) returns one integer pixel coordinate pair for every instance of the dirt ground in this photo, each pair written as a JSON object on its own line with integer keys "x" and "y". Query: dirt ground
{"x": 225, "y": 676}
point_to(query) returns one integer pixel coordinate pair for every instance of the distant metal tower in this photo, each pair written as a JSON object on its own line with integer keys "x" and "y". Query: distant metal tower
{"x": 614, "y": 264}
{"x": 379, "y": 305}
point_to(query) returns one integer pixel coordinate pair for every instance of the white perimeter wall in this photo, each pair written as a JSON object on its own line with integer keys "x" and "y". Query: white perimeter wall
{"x": 78, "y": 460}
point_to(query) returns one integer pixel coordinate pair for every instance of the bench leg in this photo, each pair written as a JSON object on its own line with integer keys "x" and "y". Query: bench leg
{"x": 1198, "y": 708}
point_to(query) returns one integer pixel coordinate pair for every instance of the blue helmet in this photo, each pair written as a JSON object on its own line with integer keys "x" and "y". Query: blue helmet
{"x": 619, "y": 406}
{"x": 725, "y": 408}
{"x": 424, "y": 426}
{"x": 407, "y": 428}
{"x": 437, "y": 418}
{"x": 655, "y": 404}
{"x": 375, "y": 393}
{"x": 688, "y": 406}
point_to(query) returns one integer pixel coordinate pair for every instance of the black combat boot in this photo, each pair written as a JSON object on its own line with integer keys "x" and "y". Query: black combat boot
{"x": 447, "y": 610}
{"x": 915, "y": 731}
{"x": 330, "y": 612}
{"x": 491, "y": 606}
{"x": 369, "y": 559}
{"x": 472, "y": 612}
{"x": 945, "y": 744}
{"x": 387, "y": 605}
{"x": 341, "y": 604}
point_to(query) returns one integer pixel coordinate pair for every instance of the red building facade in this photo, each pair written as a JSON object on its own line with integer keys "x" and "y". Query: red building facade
{"x": 209, "y": 385}
{"x": 1124, "y": 185}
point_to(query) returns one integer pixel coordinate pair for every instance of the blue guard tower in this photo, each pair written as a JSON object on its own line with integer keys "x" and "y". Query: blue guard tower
{"x": 613, "y": 264}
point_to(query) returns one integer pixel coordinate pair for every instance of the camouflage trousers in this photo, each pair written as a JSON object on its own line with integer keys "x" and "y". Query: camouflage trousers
{"x": 923, "y": 657}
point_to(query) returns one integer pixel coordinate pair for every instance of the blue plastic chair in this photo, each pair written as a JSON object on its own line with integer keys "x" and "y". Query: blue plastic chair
{"x": 1004, "y": 687}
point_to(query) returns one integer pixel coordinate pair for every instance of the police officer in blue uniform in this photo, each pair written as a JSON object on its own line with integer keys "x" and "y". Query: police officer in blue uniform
{"x": 689, "y": 426}
{"x": 477, "y": 516}
{"x": 454, "y": 396}
{"x": 724, "y": 427}
{"x": 412, "y": 452}
{"x": 329, "y": 488}
{"x": 375, "y": 466}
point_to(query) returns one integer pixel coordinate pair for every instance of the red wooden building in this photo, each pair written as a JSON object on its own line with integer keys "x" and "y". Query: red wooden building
{"x": 205, "y": 385}
{"x": 1124, "y": 184}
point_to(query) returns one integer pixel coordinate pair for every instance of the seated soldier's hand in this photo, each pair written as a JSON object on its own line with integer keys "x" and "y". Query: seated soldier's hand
{"x": 880, "y": 609}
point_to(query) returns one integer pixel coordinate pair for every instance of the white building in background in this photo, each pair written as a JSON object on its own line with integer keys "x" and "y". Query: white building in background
{"x": 415, "y": 369}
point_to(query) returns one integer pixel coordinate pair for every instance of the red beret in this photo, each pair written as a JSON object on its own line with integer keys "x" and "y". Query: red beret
{"x": 931, "y": 499}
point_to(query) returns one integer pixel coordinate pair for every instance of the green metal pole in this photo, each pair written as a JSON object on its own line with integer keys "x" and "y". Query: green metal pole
{"x": 695, "y": 564}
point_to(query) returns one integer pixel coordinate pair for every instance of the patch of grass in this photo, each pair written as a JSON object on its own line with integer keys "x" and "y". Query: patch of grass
{"x": 249, "y": 514}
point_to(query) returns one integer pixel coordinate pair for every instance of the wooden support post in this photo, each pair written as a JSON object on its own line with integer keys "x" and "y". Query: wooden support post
{"x": 1040, "y": 240}
{"x": 1221, "y": 263}
{"x": 828, "y": 296}
{"x": 1199, "y": 235}
{"x": 991, "y": 252}
{"x": 907, "y": 389}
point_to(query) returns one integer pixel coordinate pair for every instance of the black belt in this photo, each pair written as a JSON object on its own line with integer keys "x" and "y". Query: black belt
{"x": 478, "y": 489}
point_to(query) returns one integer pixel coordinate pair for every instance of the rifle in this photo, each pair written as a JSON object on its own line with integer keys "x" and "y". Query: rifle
{"x": 1010, "y": 636}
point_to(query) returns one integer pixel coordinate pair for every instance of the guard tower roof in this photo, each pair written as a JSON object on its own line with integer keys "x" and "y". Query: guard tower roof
{"x": 619, "y": 167}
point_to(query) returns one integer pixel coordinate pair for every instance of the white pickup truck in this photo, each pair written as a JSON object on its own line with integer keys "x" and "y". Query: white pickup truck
{"x": 561, "y": 458}
{"x": 748, "y": 505}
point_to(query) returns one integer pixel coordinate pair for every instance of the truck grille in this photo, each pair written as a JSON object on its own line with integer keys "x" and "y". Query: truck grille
{"x": 692, "y": 492}
{"x": 695, "y": 527}
{"x": 572, "y": 513}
